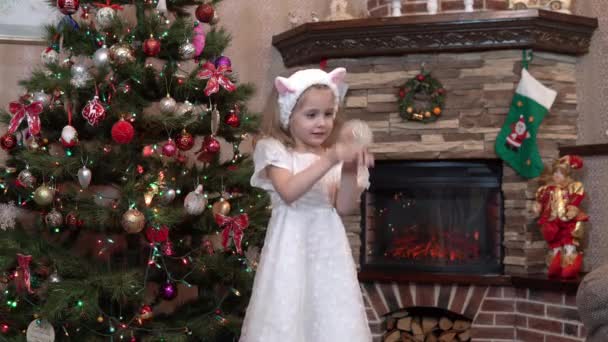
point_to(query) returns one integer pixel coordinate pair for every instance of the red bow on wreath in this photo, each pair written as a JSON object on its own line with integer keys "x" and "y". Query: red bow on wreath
{"x": 24, "y": 282}
{"x": 235, "y": 226}
{"x": 20, "y": 111}
{"x": 216, "y": 78}
{"x": 108, "y": 4}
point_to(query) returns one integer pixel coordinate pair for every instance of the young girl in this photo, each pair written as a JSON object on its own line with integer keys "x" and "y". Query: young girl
{"x": 306, "y": 287}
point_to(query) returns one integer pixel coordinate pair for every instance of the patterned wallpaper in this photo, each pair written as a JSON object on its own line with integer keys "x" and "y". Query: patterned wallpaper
{"x": 593, "y": 128}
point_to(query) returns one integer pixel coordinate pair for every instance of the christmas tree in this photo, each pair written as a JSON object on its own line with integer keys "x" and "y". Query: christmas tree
{"x": 140, "y": 231}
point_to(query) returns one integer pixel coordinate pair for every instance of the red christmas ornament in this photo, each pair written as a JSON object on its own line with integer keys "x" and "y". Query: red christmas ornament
{"x": 232, "y": 120}
{"x": 151, "y": 46}
{"x": 68, "y": 7}
{"x": 122, "y": 132}
{"x": 169, "y": 148}
{"x": 8, "y": 141}
{"x": 210, "y": 144}
{"x": 204, "y": 13}
{"x": 420, "y": 77}
{"x": 72, "y": 221}
{"x": 145, "y": 311}
{"x": 401, "y": 93}
{"x": 147, "y": 151}
{"x": 441, "y": 91}
{"x": 94, "y": 112}
{"x": 184, "y": 141}
{"x": 157, "y": 235}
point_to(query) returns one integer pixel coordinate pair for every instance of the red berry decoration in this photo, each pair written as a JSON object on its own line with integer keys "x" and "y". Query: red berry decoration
{"x": 204, "y": 13}
{"x": 211, "y": 145}
{"x": 151, "y": 46}
{"x": 122, "y": 132}
{"x": 420, "y": 77}
{"x": 169, "y": 148}
{"x": 68, "y": 7}
{"x": 8, "y": 141}
{"x": 184, "y": 141}
{"x": 232, "y": 120}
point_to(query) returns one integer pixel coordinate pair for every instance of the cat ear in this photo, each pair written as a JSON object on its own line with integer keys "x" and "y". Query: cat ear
{"x": 282, "y": 85}
{"x": 338, "y": 75}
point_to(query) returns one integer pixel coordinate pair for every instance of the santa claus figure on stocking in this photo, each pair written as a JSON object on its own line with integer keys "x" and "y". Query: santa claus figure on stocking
{"x": 519, "y": 133}
{"x": 560, "y": 217}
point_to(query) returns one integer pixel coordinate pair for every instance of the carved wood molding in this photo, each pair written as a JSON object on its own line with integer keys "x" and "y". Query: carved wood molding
{"x": 457, "y": 32}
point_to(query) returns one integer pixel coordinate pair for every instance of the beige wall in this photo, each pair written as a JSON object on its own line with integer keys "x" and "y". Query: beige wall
{"x": 593, "y": 129}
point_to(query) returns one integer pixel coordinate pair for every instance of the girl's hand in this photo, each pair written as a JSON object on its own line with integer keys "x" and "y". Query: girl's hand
{"x": 351, "y": 155}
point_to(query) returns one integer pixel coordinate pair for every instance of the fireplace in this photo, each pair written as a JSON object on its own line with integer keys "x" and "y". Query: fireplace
{"x": 434, "y": 216}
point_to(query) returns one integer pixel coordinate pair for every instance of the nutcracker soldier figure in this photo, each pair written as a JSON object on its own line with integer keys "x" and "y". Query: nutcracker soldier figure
{"x": 560, "y": 217}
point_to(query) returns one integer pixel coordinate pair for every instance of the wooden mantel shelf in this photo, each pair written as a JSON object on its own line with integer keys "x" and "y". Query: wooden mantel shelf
{"x": 456, "y": 32}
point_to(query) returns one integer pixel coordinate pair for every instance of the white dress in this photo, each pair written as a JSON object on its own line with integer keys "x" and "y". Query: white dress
{"x": 306, "y": 287}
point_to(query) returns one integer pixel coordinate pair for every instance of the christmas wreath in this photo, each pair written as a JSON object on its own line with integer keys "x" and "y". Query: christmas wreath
{"x": 421, "y": 98}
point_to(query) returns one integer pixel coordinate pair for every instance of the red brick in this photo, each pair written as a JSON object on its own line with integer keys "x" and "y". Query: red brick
{"x": 374, "y": 297}
{"x": 530, "y": 308}
{"x": 521, "y": 321}
{"x": 563, "y": 313}
{"x": 494, "y": 292}
{"x": 570, "y": 300}
{"x": 498, "y": 305}
{"x": 582, "y": 331}
{"x": 562, "y": 339}
{"x": 522, "y": 293}
{"x": 459, "y": 298}
{"x": 570, "y": 329}
{"x": 443, "y": 301}
{"x": 545, "y": 324}
{"x": 505, "y": 319}
{"x": 529, "y": 336}
{"x": 493, "y": 333}
{"x": 425, "y": 295}
{"x": 496, "y": 4}
{"x": 484, "y": 319}
{"x": 475, "y": 301}
{"x": 406, "y": 295}
{"x": 546, "y": 296}
{"x": 389, "y": 296}
{"x": 509, "y": 292}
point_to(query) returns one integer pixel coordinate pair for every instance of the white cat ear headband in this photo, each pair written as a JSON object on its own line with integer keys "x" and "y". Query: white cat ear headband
{"x": 290, "y": 89}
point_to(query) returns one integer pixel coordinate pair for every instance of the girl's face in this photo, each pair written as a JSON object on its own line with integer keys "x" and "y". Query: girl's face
{"x": 312, "y": 120}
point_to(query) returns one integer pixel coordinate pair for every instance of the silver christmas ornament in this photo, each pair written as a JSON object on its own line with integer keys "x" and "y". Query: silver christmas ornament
{"x": 168, "y": 105}
{"x": 183, "y": 108}
{"x": 195, "y": 201}
{"x": 43, "y": 98}
{"x": 49, "y": 56}
{"x": 53, "y": 219}
{"x": 186, "y": 51}
{"x": 101, "y": 58}
{"x": 167, "y": 196}
{"x": 80, "y": 76}
{"x": 54, "y": 277}
{"x": 26, "y": 178}
{"x": 215, "y": 120}
{"x": 84, "y": 177}
{"x": 44, "y": 195}
{"x": 104, "y": 17}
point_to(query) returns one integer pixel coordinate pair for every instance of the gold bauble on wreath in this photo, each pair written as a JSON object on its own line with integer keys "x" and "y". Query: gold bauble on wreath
{"x": 221, "y": 207}
{"x": 133, "y": 221}
{"x": 43, "y": 195}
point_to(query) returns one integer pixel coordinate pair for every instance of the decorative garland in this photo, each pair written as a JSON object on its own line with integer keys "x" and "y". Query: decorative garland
{"x": 423, "y": 85}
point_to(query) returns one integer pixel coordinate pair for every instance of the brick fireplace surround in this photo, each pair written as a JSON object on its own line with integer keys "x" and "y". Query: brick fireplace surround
{"x": 477, "y": 56}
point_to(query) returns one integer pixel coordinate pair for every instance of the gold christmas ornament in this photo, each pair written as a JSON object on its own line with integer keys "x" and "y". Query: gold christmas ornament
{"x": 133, "y": 221}
{"x": 121, "y": 54}
{"x": 44, "y": 195}
{"x": 221, "y": 207}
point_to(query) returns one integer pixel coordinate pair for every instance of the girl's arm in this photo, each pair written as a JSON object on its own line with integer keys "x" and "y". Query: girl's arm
{"x": 290, "y": 187}
{"x": 349, "y": 191}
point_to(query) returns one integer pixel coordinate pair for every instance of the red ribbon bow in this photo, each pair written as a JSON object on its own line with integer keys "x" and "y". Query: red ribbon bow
{"x": 20, "y": 111}
{"x": 24, "y": 282}
{"x": 216, "y": 78}
{"x": 108, "y": 4}
{"x": 235, "y": 226}
{"x": 157, "y": 235}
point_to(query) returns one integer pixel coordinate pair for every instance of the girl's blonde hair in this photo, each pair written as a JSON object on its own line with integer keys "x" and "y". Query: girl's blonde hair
{"x": 271, "y": 124}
